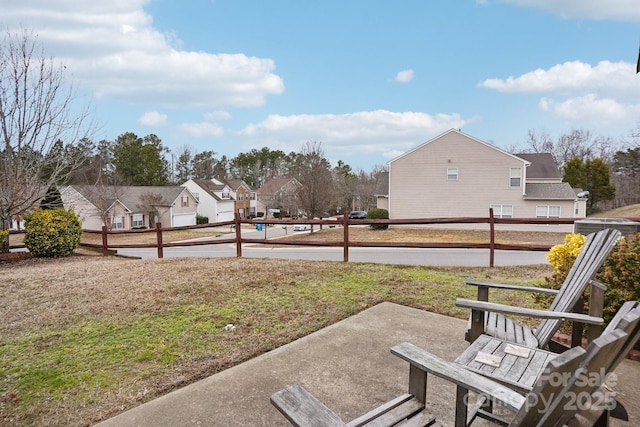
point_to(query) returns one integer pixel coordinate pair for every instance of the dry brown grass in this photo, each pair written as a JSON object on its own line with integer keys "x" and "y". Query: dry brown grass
{"x": 87, "y": 337}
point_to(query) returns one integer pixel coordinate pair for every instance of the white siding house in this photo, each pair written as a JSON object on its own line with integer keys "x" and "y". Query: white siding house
{"x": 215, "y": 199}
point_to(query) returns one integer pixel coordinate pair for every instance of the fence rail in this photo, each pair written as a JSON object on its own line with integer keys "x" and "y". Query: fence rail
{"x": 346, "y": 243}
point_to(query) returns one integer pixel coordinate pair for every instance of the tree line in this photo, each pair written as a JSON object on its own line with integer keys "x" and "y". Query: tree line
{"x": 133, "y": 160}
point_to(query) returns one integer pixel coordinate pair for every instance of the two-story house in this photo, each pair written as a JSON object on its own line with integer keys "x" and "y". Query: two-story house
{"x": 241, "y": 193}
{"x": 215, "y": 199}
{"x": 130, "y": 207}
{"x": 457, "y": 175}
{"x": 278, "y": 197}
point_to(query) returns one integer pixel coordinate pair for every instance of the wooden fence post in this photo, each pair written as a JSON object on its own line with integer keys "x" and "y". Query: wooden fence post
{"x": 105, "y": 245}
{"x": 492, "y": 237}
{"x": 159, "y": 238}
{"x": 238, "y": 236}
{"x": 345, "y": 226}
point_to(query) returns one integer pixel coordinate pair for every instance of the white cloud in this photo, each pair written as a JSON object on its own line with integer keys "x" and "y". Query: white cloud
{"x": 368, "y": 132}
{"x": 153, "y": 118}
{"x": 591, "y": 110}
{"x": 112, "y": 48}
{"x": 620, "y": 10}
{"x": 404, "y": 76}
{"x": 200, "y": 130}
{"x": 575, "y": 76}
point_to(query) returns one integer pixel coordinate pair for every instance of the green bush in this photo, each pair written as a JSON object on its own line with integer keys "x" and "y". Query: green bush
{"x": 377, "y": 213}
{"x": 621, "y": 274}
{"x": 52, "y": 232}
{"x": 202, "y": 219}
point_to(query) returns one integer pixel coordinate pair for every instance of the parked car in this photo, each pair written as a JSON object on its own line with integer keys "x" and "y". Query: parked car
{"x": 301, "y": 227}
{"x": 357, "y": 215}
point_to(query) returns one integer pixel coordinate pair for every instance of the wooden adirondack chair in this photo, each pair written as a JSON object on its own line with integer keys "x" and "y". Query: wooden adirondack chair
{"x": 516, "y": 372}
{"x": 548, "y": 404}
{"x": 488, "y": 318}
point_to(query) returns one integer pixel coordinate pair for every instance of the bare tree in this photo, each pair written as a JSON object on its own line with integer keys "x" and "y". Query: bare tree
{"x": 36, "y": 115}
{"x": 314, "y": 173}
{"x": 578, "y": 143}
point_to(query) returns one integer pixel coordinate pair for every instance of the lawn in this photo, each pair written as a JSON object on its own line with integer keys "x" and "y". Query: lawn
{"x": 87, "y": 337}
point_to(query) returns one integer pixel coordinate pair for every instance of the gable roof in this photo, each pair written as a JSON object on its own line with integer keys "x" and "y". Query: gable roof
{"x": 542, "y": 166}
{"x": 459, "y": 132}
{"x": 236, "y": 184}
{"x": 276, "y": 185}
{"x": 131, "y": 197}
{"x": 211, "y": 187}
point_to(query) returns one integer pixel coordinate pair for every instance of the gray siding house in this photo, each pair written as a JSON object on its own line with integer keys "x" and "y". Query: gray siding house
{"x": 130, "y": 207}
{"x": 457, "y": 175}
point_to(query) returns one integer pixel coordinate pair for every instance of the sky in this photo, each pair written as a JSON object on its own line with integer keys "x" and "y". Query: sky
{"x": 367, "y": 79}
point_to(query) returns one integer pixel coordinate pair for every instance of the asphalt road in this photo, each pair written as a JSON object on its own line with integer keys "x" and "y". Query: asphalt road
{"x": 406, "y": 256}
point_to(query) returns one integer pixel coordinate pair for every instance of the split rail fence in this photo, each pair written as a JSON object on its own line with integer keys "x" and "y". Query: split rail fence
{"x": 346, "y": 243}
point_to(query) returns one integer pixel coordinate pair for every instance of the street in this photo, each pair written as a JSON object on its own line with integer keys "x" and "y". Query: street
{"x": 405, "y": 256}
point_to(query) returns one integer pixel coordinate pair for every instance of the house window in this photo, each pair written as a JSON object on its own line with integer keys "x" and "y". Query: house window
{"x": 185, "y": 201}
{"x": 240, "y": 196}
{"x": 515, "y": 177}
{"x": 548, "y": 211}
{"x": 138, "y": 220}
{"x": 117, "y": 222}
{"x": 502, "y": 211}
{"x": 452, "y": 174}
{"x": 225, "y": 195}
{"x": 253, "y": 196}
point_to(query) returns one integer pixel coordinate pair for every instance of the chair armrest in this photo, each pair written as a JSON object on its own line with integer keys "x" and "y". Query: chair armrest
{"x": 528, "y": 312}
{"x": 302, "y": 409}
{"x": 434, "y": 365}
{"x": 513, "y": 287}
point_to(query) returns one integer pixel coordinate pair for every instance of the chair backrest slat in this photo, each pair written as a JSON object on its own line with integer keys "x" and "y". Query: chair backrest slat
{"x": 627, "y": 319}
{"x": 592, "y": 255}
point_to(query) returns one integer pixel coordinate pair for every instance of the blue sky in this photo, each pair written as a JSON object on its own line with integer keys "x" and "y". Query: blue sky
{"x": 369, "y": 79}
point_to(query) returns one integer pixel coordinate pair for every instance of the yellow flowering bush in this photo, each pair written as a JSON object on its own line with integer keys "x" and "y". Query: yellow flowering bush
{"x": 565, "y": 253}
{"x": 620, "y": 272}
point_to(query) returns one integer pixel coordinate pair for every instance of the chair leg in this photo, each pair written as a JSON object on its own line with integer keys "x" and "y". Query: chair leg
{"x": 462, "y": 397}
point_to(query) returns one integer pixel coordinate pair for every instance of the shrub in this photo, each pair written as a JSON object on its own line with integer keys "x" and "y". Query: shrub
{"x": 4, "y": 241}
{"x": 566, "y": 253}
{"x": 202, "y": 219}
{"x": 619, "y": 273}
{"x": 52, "y": 232}
{"x": 377, "y": 213}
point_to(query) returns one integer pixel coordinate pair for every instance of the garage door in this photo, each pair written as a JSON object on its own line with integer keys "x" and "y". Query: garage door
{"x": 225, "y": 216}
{"x": 184, "y": 219}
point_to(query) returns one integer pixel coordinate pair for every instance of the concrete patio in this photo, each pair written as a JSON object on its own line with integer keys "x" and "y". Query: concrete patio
{"x": 347, "y": 365}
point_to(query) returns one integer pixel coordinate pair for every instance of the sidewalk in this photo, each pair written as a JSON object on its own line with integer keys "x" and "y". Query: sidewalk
{"x": 347, "y": 366}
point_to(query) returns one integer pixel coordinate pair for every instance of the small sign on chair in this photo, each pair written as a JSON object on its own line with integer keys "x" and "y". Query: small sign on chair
{"x": 517, "y": 350}
{"x": 488, "y": 359}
